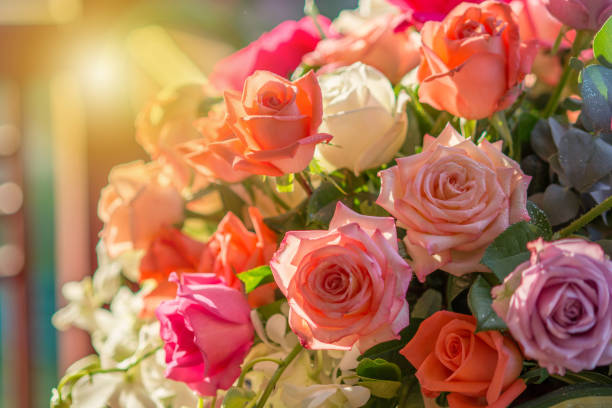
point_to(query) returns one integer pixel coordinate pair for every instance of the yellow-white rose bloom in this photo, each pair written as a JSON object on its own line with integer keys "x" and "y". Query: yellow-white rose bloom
{"x": 367, "y": 122}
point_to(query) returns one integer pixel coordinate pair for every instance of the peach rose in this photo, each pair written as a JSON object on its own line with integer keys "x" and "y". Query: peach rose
{"x": 213, "y": 154}
{"x": 233, "y": 249}
{"x": 168, "y": 122}
{"x": 381, "y": 43}
{"x": 454, "y": 199}
{"x": 478, "y": 369}
{"x": 473, "y": 61}
{"x": 276, "y": 120}
{"x": 345, "y": 286}
{"x": 135, "y": 205}
{"x": 536, "y": 23}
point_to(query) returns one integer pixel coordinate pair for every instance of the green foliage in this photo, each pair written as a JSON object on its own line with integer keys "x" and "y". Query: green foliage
{"x": 479, "y": 300}
{"x": 540, "y": 220}
{"x": 256, "y": 277}
{"x": 510, "y": 249}
{"x": 284, "y": 184}
{"x": 237, "y": 398}
{"x": 429, "y": 303}
{"x": 578, "y": 395}
{"x": 536, "y": 375}
{"x": 380, "y": 376}
{"x": 596, "y": 91}
{"x": 602, "y": 44}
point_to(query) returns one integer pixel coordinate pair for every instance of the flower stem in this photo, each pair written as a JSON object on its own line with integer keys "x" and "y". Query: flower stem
{"x": 300, "y": 178}
{"x": 201, "y": 402}
{"x": 582, "y": 38}
{"x": 593, "y": 213}
{"x": 498, "y": 120}
{"x": 418, "y": 108}
{"x": 82, "y": 373}
{"x": 312, "y": 11}
{"x": 555, "y": 48}
{"x": 249, "y": 366}
{"x": 277, "y": 374}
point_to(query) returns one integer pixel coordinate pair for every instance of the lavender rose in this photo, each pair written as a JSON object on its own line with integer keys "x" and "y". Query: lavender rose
{"x": 558, "y": 305}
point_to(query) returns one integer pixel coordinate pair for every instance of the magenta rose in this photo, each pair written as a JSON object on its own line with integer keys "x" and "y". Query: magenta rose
{"x": 207, "y": 332}
{"x": 581, "y": 14}
{"x": 558, "y": 305}
{"x": 345, "y": 286}
{"x": 279, "y": 51}
{"x": 426, "y": 10}
{"x": 453, "y": 199}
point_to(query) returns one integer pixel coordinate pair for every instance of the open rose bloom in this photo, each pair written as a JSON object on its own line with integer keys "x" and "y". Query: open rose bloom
{"x": 365, "y": 212}
{"x": 346, "y": 286}
{"x": 453, "y": 199}
{"x": 558, "y": 305}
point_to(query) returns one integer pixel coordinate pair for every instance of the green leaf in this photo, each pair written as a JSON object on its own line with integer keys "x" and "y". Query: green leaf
{"x": 429, "y": 303}
{"x": 322, "y": 203}
{"x": 378, "y": 369}
{"x": 510, "y": 249}
{"x": 455, "y": 285}
{"x": 480, "y": 301}
{"x": 256, "y": 277}
{"x": 539, "y": 219}
{"x": 596, "y": 91}
{"x": 381, "y": 388}
{"x": 284, "y": 184}
{"x": 536, "y": 375}
{"x": 585, "y": 377}
{"x": 578, "y": 395}
{"x": 602, "y": 44}
{"x": 393, "y": 345}
{"x": 380, "y": 376}
{"x": 237, "y": 398}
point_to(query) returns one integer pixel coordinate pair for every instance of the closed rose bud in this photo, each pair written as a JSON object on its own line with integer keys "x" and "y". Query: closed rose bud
{"x": 581, "y": 14}
{"x": 359, "y": 101}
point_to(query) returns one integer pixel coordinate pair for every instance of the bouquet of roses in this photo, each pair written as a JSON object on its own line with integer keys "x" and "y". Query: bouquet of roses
{"x": 403, "y": 208}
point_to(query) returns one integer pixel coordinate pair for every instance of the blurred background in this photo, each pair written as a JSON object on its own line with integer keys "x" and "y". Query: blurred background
{"x": 73, "y": 75}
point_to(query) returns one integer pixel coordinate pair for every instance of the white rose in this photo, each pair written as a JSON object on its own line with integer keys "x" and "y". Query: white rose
{"x": 353, "y": 20}
{"x": 361, "y": 112}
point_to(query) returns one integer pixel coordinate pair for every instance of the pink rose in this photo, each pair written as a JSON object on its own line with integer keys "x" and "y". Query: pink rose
{"x": 454, "y": 199}
{"x": 380, "y": 44}
{"x": 277, "y": 121}
{"x": 581, "y": 14}
{"x": 558, "y": 305}
{"x": 207, "y": 332}
{"x": 425, "y": 10}
{"x": 473, "y": 61}
{"x": 535, "y": 22}
{"x": 138, "y": 202}
{"x": 279, "y": 51}
{"x": 345, "y": 286}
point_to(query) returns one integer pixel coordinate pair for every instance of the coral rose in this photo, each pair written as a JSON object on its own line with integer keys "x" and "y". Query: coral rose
{"x": 454, "y": 199}
{"x": 279, "y": 51}
{"x": 581, "y": 14}
{"x": 359, "y": 100}
{"x": 345, "y": 286}
{"x": 473, "y": 61}
{"x": 380, "y": 43}
{"x": 170, "y": 251}
{"x": 233, "y": 249}
{"x": 536, "y": 23}
{"x": 277, "y": 121}
{"x": 213, "y": 154}
{"x": 558, "y": 305}
{"x": 135, "y": 205}
{"x": 477, "y": 369}
{"x": 207, "y": 332}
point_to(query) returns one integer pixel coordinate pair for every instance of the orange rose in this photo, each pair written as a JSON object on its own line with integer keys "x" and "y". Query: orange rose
{"x": 473, "y": 61}
{"x": 276, "y": 120}
{"x": 233, "y": 249}
{"x": 171, "y": 251}
{"x": 213, "y": 155}
{"x": 383, "y": 44}
{"x": 137, "y": 203}
{"x": 477, "y": 369}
